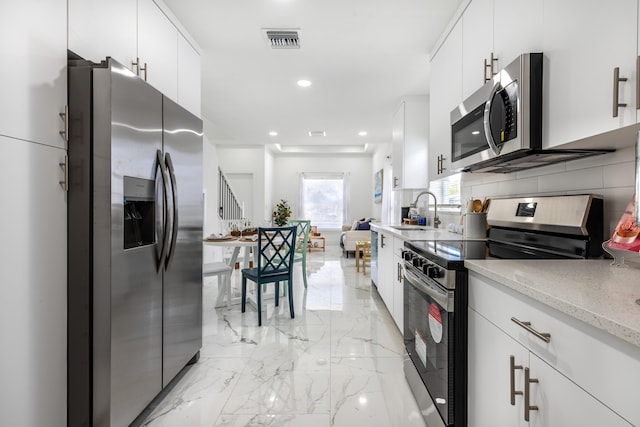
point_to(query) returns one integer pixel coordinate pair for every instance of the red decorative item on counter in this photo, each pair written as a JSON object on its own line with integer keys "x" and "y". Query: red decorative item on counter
{"x": 625, "y": 236}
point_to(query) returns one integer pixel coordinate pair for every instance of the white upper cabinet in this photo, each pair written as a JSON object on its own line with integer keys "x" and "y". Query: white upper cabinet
{"x": 140, "y": 36}
{"x": 158, "y": 49}
{"x": 513, "y": 34}
{"x": 410, "y": 143}
{"x": 583, "y": 44}
{"x": 33, "y": 43}
{"x": 189, "y": 76}
{"x": 494, "y": 33}
{"x": 99, "y": 28}
{"x": 445, "y": 94}
{"x": 477, "y": 45}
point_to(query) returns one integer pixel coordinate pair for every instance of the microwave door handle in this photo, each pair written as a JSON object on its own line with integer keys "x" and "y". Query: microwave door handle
{"x": 487, "y": 120}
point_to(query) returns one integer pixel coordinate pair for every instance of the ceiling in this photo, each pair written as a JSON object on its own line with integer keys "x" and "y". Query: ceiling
{"x": 361, "y": 56}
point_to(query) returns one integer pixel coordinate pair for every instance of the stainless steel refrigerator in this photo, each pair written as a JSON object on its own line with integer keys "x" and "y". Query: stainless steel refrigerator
{"x": 135, "y": 211}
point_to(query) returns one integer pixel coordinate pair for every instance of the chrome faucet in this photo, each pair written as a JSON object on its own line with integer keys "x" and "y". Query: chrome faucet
{"x": 436, "y": 220}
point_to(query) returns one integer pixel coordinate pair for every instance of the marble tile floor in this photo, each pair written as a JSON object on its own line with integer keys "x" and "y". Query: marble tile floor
{"x": 338, "y": 363}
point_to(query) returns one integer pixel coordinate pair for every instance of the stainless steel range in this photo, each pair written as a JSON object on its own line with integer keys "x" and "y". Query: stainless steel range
{"x": 435, "y": 288}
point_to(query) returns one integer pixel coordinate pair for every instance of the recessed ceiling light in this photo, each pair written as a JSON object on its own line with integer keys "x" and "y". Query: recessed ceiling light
{"x": 304, "y": 83}
{"x": 362, "y": 133}
{"x": 273, "y": 133}
{"x": 475, "y": 132}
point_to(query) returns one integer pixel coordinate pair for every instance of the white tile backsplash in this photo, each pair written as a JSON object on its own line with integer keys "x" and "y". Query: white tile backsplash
{"x": 618, "y": 175}
{"x": 611, "y": 175}
{"x": 571, "y": 180}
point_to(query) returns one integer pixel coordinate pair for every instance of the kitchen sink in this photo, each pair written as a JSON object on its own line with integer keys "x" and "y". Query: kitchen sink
{"x": 409, "y": 227}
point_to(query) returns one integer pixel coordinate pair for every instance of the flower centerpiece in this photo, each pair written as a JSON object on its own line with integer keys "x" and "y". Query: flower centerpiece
{"x": 282, "y": 213}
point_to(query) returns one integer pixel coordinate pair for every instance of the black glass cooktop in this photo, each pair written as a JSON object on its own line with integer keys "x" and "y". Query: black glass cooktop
{"x": 451, "y": 254}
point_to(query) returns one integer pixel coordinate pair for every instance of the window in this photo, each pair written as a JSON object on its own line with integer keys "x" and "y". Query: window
{"x": 323, "y": 199}
{"x": 447, "y": 191}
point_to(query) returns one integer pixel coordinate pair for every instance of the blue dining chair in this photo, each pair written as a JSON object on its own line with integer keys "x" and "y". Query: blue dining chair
{"x": 303, "y": 227}
{"x": 276, "y": 247}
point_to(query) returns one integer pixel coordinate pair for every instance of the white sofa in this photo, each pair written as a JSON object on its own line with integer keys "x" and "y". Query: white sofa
{"x": 351, "y": 237}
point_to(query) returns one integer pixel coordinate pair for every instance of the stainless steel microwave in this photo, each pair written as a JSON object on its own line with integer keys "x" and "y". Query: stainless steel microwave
{"x": 504, "y": 116}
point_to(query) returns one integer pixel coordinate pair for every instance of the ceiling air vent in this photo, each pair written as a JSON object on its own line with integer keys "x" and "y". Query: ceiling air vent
{"x": 282, "y": 38}
{"x": 317, "y": 133}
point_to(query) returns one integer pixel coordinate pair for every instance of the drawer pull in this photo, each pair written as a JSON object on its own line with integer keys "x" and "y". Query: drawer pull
{"x": 528, "y": 407}
{"x": 512, "y": 378}
{"x": 527, "y": 325}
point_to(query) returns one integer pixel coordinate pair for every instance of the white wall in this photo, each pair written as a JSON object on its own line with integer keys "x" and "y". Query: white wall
{"x": 382, "y": 160}
{"x": 359, "y": 168}
{"x": 247, "y": 160}
{"x": 611, "y": 175}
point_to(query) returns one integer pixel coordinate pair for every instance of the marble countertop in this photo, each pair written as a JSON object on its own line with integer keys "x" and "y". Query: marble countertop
{"x": 427, "y": 233}
{"x": 592, "y": 291}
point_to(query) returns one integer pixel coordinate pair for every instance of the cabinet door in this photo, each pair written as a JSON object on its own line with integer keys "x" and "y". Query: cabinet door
{"x": 33, "y": 295}
{"x": 398, "y": 292}
{"x": 33, "y": 44}
{"x": 158, "y": 48}
{"x": 562, "y": 403}
{"x": 385, "y": 269}
{"x": 513, "y": 35}
{"x": 582, "y": 46}
{"x": 397, "y": 139}
{"x": 98, "y": 29}
{"x": 189, "y": 73}
{"x": 445, "y": 95}
{"x": 477, "y": 45}
{"x": 398, "y": 283}
{"x": 489, "y": 375}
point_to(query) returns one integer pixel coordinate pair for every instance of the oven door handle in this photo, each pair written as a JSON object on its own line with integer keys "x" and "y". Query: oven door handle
{"x": 443, "y": 298}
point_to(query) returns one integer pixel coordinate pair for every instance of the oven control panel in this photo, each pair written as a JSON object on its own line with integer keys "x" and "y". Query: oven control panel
{"x": 428, "y": 269}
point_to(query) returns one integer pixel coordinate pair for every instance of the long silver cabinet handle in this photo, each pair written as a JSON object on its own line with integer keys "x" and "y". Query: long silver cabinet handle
{"x": 528, "y": 407}
{"x": 512, "y": 379}
{"x": 616, "y": 91}
{"x": 637, "y": 83}
{"x": 65, "y": 118}
{"x": 65, "y": 165}
{"x": 527, "y": 325}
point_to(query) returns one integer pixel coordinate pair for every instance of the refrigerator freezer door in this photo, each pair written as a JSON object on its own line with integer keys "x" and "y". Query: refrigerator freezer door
{"x": 127, "y": 286}
{"x": 182, "y": 327}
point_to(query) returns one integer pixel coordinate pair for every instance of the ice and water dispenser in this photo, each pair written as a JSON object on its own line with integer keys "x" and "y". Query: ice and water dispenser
{"x": 139, "y": 212}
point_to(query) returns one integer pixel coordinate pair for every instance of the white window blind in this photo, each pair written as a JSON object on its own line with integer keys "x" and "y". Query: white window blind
{"x": 447, "y": 191}
{"x": 323, "y": 199}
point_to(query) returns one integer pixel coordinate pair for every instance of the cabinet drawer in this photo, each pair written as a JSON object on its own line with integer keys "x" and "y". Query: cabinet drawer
{"x": 603, "y": 365}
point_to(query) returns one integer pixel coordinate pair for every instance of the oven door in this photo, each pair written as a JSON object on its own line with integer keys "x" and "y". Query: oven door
{"x": 429, "y": 341}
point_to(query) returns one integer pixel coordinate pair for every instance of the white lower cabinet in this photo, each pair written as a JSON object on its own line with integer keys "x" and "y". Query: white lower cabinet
{"x": 33, "y": 291}
{"x": 580, "y": 377}
{"x": 385, "y": 268}
{"x": 398, "y": 286}
{"x": 559, "y": 401}
{"x": 390, "y": 283}
{"x": 489, "y": 401}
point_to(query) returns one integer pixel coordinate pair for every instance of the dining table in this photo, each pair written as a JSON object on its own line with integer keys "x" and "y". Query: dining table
{"x": 236, "y": 243}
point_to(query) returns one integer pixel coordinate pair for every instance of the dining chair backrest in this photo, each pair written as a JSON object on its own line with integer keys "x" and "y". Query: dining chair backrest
{"x": 276, "y": 247}
{"x": 303, "y": 228}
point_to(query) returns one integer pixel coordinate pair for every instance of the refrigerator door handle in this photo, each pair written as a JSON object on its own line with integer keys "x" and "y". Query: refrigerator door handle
{"x": 174, "y": 197}
{"x": 165, "y": 230}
